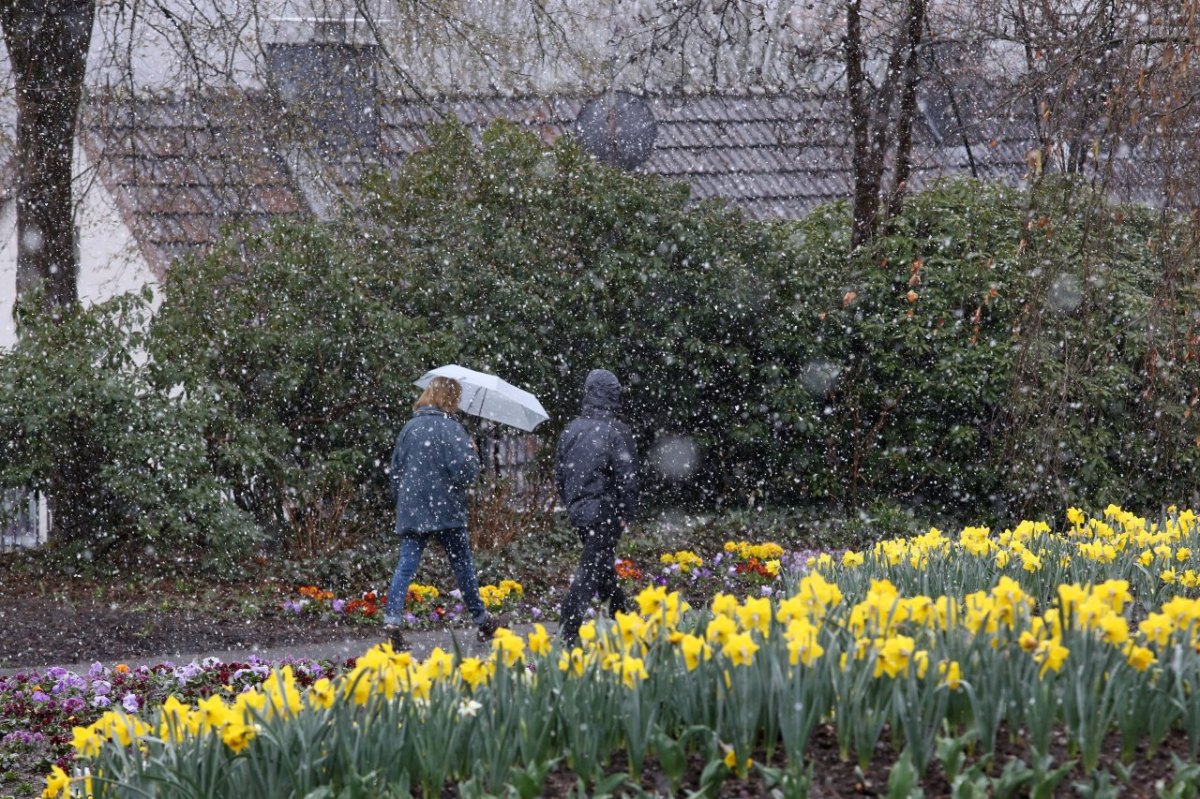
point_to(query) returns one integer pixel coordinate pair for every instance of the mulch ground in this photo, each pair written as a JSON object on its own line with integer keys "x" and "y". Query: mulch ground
{"x": 47, "y": 622}
{"x": 833, "y": 778}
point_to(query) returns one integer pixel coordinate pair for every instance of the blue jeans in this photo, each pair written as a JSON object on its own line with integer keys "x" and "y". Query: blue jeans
{"x": 458, "y": 548}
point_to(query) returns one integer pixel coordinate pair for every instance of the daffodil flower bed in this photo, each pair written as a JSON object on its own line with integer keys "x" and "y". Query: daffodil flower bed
{"x": 38, "y": 709}
{"x": 1030, "y": 632}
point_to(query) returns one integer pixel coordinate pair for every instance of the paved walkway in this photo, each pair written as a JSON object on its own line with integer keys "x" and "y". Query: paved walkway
{"x": 422, "y": 643}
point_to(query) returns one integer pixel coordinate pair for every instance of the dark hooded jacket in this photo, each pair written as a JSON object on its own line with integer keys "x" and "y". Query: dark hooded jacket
{"x": 596, "y": 461}
{"x": 433, "y": 464}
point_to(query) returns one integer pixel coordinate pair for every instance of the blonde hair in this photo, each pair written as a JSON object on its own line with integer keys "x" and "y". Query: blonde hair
{"x": 442, "y": 393}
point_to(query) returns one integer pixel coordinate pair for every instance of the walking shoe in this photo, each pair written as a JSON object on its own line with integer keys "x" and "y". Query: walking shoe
{"x": 395, "y": 637}
{"x": 488, "y": 627}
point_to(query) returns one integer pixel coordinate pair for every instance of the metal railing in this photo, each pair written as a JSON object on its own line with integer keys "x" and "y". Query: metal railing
{"x": 510, "y": 457}
{"x": 20, "y": 520}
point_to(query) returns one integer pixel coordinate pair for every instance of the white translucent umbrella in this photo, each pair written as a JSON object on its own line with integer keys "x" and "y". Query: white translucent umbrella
{"x": 490, "y": 397}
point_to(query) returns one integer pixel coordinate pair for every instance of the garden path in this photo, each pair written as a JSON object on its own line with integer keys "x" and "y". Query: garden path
{"x": 422, "y": 643}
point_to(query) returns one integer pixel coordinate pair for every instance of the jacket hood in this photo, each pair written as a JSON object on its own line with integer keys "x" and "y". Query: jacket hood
{"x": 601, "y": 391}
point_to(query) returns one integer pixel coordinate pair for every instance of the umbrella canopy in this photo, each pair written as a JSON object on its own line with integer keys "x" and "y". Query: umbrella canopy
{"x": 490, "y": 397}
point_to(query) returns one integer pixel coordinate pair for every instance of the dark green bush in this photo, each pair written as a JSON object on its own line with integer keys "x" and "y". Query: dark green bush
{"x": 1012, "y": 380}
{"x": 1045, "y": 355}
{"x": 123, "y": 462}
{"x": 303, "y": 357}
{"x": 546, "y": 264}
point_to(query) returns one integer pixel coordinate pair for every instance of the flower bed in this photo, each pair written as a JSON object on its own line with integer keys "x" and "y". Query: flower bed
{"x": 39, "y": 709}
{"x": 740, "y": 568}
{"x": 1034, "y": 646}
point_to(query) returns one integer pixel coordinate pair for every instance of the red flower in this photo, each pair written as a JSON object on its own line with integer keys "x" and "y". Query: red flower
{"x": 754, "y": 566}
{"x": 627, "y": 571}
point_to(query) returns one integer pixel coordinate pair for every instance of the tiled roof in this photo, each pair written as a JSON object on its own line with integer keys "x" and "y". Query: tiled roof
{"x": 771, "y": 155}
{"x": 183, "y": 169}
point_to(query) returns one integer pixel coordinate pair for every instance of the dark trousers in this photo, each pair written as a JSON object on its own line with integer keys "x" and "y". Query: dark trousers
{"x": 597, "y": 575}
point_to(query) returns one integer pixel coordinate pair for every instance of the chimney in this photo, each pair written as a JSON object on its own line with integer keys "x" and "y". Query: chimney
{"x": 323, "y": 70}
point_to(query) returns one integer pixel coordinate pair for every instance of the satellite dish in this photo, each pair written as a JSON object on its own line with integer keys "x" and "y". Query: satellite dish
{"x": 618, "y": 128}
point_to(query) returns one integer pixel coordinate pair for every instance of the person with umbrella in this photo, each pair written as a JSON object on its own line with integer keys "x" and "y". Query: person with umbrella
{"x": 433, "y": 464}
{"x": 595, "y": 470}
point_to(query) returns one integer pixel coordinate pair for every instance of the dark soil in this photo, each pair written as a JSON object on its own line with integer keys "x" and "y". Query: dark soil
{"x": 47, "y": 622}
{"x": 833, "y": 778}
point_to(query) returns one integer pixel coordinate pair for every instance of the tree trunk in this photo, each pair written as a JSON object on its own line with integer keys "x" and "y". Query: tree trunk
{"x": 47, "y": 44}
{"x": 881, "y": 119}
{"x": 865, "y": 166}
{"x": 907, "y": 109}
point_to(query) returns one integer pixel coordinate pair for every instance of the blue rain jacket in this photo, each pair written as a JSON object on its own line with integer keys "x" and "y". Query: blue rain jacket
{"x": 433, "y": 464}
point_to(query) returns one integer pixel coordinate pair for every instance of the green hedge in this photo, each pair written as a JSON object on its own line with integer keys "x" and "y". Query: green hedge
{"x": 123, "y": 463}
{"x": 1015, "y": 380}
{"x": 1041, "y": 357}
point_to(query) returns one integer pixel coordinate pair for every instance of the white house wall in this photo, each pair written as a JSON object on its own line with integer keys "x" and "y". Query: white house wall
{"x": 110, "y": 262}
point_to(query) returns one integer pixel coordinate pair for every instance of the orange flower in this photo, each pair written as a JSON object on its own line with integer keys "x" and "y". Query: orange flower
{"x": 121, "y": 668}
{"x": 365, "y": 606}
{"x": 627, "y": 571}
{"x": 755, "y": 566}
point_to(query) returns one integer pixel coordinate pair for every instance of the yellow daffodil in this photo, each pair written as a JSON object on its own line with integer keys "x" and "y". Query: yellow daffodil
{"x": 951, "y": 674}
{"x": 1157, "y": 628}
{"x": 247, "y": 703}
{"x": 1113, "y": 629}
{"x": 58, "y": 784}
{"x": 1140, "y": 658}
{"x": 724, "y": 605}
{"x": 86, "y": 741}
{"x": 1051, "y": 655}
{"x": 510, "y": 648}
{"x": 1114, "y": 593}
{"x": 321, "y": 694}
{"x": 719, "y": 629}
{"x": 474, "y": 672}
{"x": 439, "y": 665}
{"x": 895, "y": 655}
{"x": 539, "y": 640}
{"x": 740, "y": 649}
{"x": 282, "y": 693}
{"x": 632, "y": 670}
{"x": 921, "y": 660}
{"x": 755, "y": 615}
{"x": 573, "y": 661}
{"x": 694, "y": 650}
{"x": 237, "y": 736}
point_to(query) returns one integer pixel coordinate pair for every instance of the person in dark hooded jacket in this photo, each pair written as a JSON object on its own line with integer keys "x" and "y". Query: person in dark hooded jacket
{"x": 595, "y": 470}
